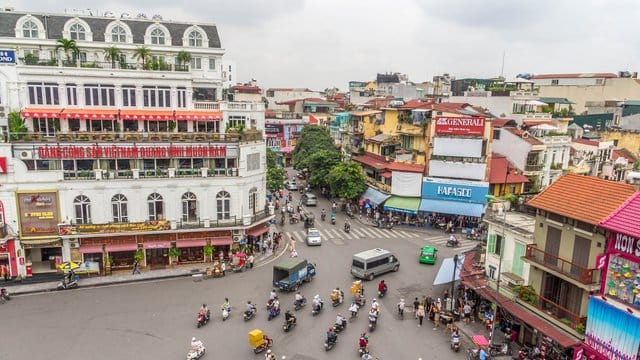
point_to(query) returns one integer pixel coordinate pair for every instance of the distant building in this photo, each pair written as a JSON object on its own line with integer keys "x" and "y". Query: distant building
{"x": 277, "y": 98}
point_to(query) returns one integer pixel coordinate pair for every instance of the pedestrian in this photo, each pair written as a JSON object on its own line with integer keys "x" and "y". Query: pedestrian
{"x": 416, "y": 304}
{"x": 467, "y": 313}
{"x": 251, "y": 259}
{"x": 264, "y": 248}
{"x": 136, "y": 268}
{"x": 420, "y": 314}
{"x": 223, "y": 267}
{"x": 436, "y": 315}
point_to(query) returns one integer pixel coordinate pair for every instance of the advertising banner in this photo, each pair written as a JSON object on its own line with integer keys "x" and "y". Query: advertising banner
{"x": 460, "y": 125}
{"x": 7, "y": 56}
{"x": 612, "y": 332}
{"x": 464, "y": 191}
{"x": 81, "y": 229}
{"x": 39, "y": 213}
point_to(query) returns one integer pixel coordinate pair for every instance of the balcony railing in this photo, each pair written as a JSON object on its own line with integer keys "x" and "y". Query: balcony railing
{"x": 565, "y": 267}
{"x": 149, "y": 65}
{"x": 379, "y": 185}
{"x": 555, "y": 310}
{"x": 536, "y": 167}
{"x": 107, "y": 136}
{"x": 148, "y": 174}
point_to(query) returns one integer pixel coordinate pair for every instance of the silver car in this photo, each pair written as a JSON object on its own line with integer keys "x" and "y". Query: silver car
{"x": 310, "y": 199}
{"x": 313, "y": 237}
{"x": 291, "y": 185}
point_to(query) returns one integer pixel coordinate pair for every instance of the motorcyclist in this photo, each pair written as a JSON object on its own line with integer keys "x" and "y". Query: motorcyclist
{"x": 382, "y": 287}
{"x": 331, "y": 336}
{"x": 196, "y": 344}
{"x": 270, "y": 355}
{"x": 333, "y": 217}
{"x": 354, "y": 309}
{"x": 337, "y": 295}
{"x": 298, "y": 299}
{"x": 401, "y": 305}
{"x": 226, "y": 305}
{"x": 347, "y": 225}
{"x": 249, "y": 308}
{"x": 204, "y": 311}
{"x": 317, "y": 302}
{"x": 289, "y": 318}
{"x": 373, "y": 316}
{"x": 323, "y": 214}
{"x": 453, "y": 240}
{"x": 364, "y": 342}
{"x": 375, "y": 306}
{"x": 341, "y": 320}
{"x": 273, "y": 294}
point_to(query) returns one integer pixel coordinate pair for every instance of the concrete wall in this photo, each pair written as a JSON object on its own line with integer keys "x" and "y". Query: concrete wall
{"x": 626, "y": 139}
{"x": 580, "y": 91}
{"x": 497, "y": 105}
{"x": 513, "y": 147}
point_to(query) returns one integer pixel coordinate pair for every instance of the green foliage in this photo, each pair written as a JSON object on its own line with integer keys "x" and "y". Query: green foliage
{"x": 276, "y": 177}
{"x": 183, "y": 58}
{"x": 17, "y": 127}
{"x": 313, "y": 138}
{"x": 272, "y": 158}
{"x": 139, "y": 255}
{"x": 174, "y": 252}
{"x": 527, "y": 294}
{"x": 172, "y": 125}
{"x": 69, "y": 47}
{"x": 208, "y": 250}
{"x": 143, "y": 54}
{"x": 580, "y": 328}
{"x": 320, "y": 164}
{"x": 31, "y": 59}
{"x": 347, "y": 180}
{"x": 113, "y": 54}
{"x": 636, "y": 166}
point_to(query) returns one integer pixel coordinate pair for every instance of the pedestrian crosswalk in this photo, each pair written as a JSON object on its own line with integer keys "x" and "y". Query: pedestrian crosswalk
{"x": 465, "y": 244}
{"x": 338, "y": 235}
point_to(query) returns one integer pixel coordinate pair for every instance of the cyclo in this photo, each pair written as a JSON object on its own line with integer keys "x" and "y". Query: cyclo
{"x": 258, "y": 341}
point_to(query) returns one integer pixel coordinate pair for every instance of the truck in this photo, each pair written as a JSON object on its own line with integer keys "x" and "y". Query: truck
{"x": 289, "y": 274}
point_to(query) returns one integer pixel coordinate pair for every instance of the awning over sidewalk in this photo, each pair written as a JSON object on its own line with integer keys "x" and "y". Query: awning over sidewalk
{"x": 91, "y": 249}
{"x": 452, "y": 207}
{"x": 258, "y": 230}
{"x": 375, "y": 196}
{"x": 157, "y": 244}
{"x": 191, "y": 243}
{"x": 122, "y": 247}
{"x": 53, "y": 113}
{"x": 445, "y": 274}
{"x": 409, "y": 205}
{"x": 89, "y": 114}
{"x": 198, "y": 115}
{"x": 224, "y": 240}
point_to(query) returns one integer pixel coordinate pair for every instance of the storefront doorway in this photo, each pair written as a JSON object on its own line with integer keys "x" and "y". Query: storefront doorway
{"x": 43, "y": 260}
{"x": 157, "y": 258}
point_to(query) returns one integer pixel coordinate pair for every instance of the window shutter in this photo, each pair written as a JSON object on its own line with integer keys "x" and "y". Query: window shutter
{"x": 491, "y": 243}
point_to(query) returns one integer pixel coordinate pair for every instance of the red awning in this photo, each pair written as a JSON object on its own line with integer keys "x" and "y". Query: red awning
{"x": 191, "y": 243}
{"x": 258, "y": 230}
{"x": 90, "y": 114}
{"x": 386, "y": 174}
{"x": 122, "y": 247}
{"x": 222, "y": 241}
{"x": 146, "y": 114}
{"x": 40, "y": 113}
{"x": 90, "y": 249}
{"x": 198, "y": 115}
{"x": 156, "y": 244}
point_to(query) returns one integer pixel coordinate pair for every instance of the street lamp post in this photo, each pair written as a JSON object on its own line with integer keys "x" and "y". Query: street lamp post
{"x": 453, "y": 281}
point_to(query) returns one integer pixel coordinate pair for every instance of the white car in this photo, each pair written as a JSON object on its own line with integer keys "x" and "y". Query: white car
{"x": 291, "y": 185}
{"x": 313, "y": 237}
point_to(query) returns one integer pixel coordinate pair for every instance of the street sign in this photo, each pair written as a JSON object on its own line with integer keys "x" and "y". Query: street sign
{"x": 7, "y": 57}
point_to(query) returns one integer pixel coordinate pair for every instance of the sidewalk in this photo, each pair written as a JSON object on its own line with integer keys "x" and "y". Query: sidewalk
{"x": 181, "y": 271}
{"x": 478, "y": 328}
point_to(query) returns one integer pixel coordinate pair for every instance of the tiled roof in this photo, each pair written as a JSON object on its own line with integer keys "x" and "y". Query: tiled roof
{"x": 524, "y": 136}
{"x": 534, "y": 122}
{"x": 404, "y": 167}
{"x": 372, "y": 160}
{"x": 450, "y": 107}
{"x": 585, "y": 142}
{"x": 575, "y": 76}
{"x": 624, "y": 153}
{"x": 626, "y": 219}
{"x": 498, "y": 123}
{"x": 499, "y": 166}
{"x": 585, "y": 198}
{"x": 366, "y": 112}
{"x": 290, "y": 89}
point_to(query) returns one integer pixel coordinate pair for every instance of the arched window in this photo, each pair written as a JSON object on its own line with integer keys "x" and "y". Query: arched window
{"x": 82, "y": 205}
{"x": 189, "y": 207}
{"x": 77, "y": 32}
{"x": 253, "y": 200}
{"x": 195, "y": 38}
{"x": 223, "y": 205}
{"x": 156, "y": 207}
{"x": 119, "y": 208}
{"x": 157, "y": 36}
{"x": 30, "y": 29}
{"x": 118, "y": 34}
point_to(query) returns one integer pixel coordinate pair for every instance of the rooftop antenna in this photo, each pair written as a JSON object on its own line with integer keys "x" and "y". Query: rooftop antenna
{"x": 502, "y": 67}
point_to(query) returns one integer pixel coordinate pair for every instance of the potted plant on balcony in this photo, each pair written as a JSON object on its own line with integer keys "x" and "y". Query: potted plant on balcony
{"x": 137, "y": 256}
{"x": 208, "y": 251}
{"x": 526, "y": 294}
{"x": 174, "y": 253}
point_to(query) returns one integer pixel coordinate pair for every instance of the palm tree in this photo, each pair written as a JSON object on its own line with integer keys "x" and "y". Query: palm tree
{"x": 113, "y": 54}
{"x": 68, "y": 46}
{"x": 143, "y": 54}
{"x": 183, "y": 58}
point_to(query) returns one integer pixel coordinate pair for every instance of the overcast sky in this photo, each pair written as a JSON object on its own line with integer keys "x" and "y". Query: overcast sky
{"x": 325, "y": 43}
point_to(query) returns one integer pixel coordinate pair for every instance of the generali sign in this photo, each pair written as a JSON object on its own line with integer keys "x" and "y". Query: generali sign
{"x": 625, "y": 244}
{"x": 460, "y": 125}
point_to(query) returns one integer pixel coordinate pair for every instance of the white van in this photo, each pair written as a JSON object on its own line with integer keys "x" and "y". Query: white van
{"x": 368, "y": 264}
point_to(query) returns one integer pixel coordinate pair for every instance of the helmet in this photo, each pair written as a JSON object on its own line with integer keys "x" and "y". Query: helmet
{"x": 373, "y": 300}
{"x": 366, "y": 337}
{"x": 382, "y": 281}
{"x": 248, "y": 301}
{"x": 204, "y": 305}
{"x": 193, "y": 339}
{"x": 339, "y": 314}
{"x": 269, "y": 351}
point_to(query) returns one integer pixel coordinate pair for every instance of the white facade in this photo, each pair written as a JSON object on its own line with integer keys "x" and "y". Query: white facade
{"x": 278, "y": 95}
{"x": 228, "y": 71}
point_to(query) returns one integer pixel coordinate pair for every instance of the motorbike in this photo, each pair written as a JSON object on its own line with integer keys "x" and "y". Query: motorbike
{"x": 339, "y": 327}
{"x": 225, "y": 313}
{"x": 4, "y": 295}
{"x": 337, "y": 301}
{"x": 382, "y": 293}
{"x": 288, "y": 325}
{"x": 455, "y": 343}
{"x": 529, "y": 353}
{"x": 202, "y": 320}
{"x": 316, "y": 309}
{"x": 400, "y": 312}
{"x": 196, "y": 353}
{"x": 383, "y": 225}
{"x": 323, "y": 217}
{"x": 63, "y": 285}
{"x": 347, "y": 228}
{"x": 500, "y": 349}
{"x": 330, "y": 343}
{"x": 297, "y": 305}
{"x": 248, "y": 315}
{"x": 453, "y": 243}
{"x": 372, "y": 324}
{"x": 273, "y": 313}
{"x": 362, "y": 351}
{"x": 333, "y": 221}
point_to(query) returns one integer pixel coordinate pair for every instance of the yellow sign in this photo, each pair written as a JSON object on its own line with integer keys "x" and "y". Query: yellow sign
{"x": 81, "y": 229}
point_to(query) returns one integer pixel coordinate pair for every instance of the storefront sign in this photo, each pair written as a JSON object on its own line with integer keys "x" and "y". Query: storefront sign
{"x": 464, "y": 191}
{"x": 39, "y": 215}
{"x": 129, "y": 152}
{"x": 7, "y": 57}
{"x": 272, "y": 129}
{"x": 3, "y": 165}
{"x": 460, "y": 125}
{"x": 80, "y": 229}
{"x": 611, "y": 332}
{"x": 625, "y": 244}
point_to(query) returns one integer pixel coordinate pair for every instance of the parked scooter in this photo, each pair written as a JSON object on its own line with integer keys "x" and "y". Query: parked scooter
{"x": 529, "y": 353}
{"x": 65, "y": 285}
{"x": 500, "y": 349}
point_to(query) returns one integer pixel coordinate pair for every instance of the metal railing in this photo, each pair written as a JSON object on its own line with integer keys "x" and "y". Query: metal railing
{"x": 565, "y": 267}
{"x": 555, "y": 310}
{"x": 149, "y": 174}
{"x": 533, "y": 167}
{"x": 149, "y": 65}
{"x": 126, "y": 136}
{"x": 379, "y": 185}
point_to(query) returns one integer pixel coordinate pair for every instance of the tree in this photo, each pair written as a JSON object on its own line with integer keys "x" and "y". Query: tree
{"x": 17, "y": 128}
{"x": 320, "y": 163}
{"x": 347, "y": 180}
{"x": 272, "y": 158}
{"x": 113, "y": 54}
{"x": 68, "y": 47}
{"x": 313, "y": 138}
{"x": 143, "y": 54}
{"x": 276, "y": 177}
{"x": 183, "y": 58}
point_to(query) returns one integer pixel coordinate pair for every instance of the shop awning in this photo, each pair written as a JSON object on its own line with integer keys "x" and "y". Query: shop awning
{"x": 191, "y": 243}
{"x": 225, "y": 240}
{"x": 122, "y": 247}
{"x": 386, "y": 174}
{"x": 41, "y": 113}
{"x": 146, "y": 114}
{"x": 287, "y": 149}
{"x": 198, "y": 115}
{"x": 375, "y": 196}
{"x": 451, "y": 207}
{"x": 90, "y": 249}
{"x": 258, "y": 230}
{"x": 409, "y": 205}
{"x": 156, "y": 244}
{"x": 89, "y": 114}
{"x": 445, "y": 274}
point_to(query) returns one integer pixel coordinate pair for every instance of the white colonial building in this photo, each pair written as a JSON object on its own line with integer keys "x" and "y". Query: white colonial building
{"x": 126, "y": 146}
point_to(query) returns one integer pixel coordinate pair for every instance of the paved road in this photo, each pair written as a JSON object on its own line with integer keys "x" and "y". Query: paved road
{"x": 156, "y": 320}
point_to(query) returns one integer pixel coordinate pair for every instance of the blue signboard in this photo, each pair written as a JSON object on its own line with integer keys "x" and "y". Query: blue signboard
{"x": 7, "y": 57}
{"x": 453, "y": 190}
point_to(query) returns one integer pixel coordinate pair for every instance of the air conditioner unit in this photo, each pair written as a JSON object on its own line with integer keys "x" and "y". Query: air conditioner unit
{"x": 74, "y": 245}
{"x": 2, "y": 112}
{"x": 25, "y": 154}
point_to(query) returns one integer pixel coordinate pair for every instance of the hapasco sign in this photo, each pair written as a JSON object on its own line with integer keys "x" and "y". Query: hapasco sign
{"x": 460, "y": 125}
{"x": 39, "y": 214}
{"x": 625, "y": 244}
{"x": 464, "y": 191}
{"x": 80, "y": 229}
{"x": 129, "y": 151}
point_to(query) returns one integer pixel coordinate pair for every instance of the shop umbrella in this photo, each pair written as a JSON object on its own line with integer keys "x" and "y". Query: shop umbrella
{"x": 68, "y": 265}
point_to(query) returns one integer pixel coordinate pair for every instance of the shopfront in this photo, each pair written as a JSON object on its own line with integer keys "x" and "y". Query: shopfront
{"x": 256, "y": 234}
{"x": 373, "y": 197}
{"x": 403, "y": 209}
{"x": 120, "y": 250}
{"x": 454, "y": 198}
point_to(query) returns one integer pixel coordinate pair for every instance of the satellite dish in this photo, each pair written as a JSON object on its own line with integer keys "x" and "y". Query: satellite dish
{"x": 141, "y": 16}
{"x": 156, "y": 17}
{"x": 108, "y": 14}
{"x": 125, "y": 15}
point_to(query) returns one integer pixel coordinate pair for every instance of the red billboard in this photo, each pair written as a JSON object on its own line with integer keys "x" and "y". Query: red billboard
{"x": 459, "y": 125}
